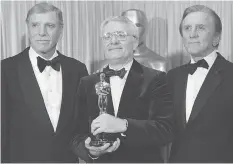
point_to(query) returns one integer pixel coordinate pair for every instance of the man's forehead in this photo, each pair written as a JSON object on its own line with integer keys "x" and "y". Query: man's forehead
{"x": 51, "y": 15}
{"x": 117, "y": 26}
{"x": 197, "y": 17}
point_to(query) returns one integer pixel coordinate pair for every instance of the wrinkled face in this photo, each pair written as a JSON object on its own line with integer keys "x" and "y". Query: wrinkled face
{"x": 119, "y": 50}
{"x": 44, "y": 32}
{"x": 199, "y": 34}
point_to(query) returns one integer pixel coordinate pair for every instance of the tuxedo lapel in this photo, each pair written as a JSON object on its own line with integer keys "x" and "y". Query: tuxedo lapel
{"x": 132, "y": 88}
{"x": 212, "y": 81}
{"x": 110, "y": 108}
{"x": 66, "y": 106}
{"x": 32, "y": 93}
{"x": 180, "y": 95}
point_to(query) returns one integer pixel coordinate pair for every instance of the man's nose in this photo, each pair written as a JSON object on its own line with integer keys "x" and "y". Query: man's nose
{"x": 114, "y": 39}
{"x": 193, "y": 33}
{"x": 42, "y": 31}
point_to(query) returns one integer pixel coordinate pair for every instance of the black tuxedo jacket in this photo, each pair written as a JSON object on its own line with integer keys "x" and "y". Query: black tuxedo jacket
{"x": 208, "y": 135}
{"x": 27, "y": 133}
{"x": 145, "y": 103}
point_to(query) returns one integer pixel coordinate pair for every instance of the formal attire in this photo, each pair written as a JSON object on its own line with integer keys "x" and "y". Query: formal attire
{"x": 38, "y": 116}
{"x": 203, "y": 111}
{"x": 142, "y": 98}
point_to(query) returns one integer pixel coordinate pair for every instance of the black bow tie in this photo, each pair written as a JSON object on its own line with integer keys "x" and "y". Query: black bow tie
{"x": 110, "y": 72}
{"x": 55, "y": 63}
{"x": 192, "y": 67}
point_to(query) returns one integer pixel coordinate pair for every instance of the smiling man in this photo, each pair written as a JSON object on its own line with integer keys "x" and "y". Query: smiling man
{"x": 139, "y": 106}
{"x": 37, "y": 94}
{"x": 202, "y": 93}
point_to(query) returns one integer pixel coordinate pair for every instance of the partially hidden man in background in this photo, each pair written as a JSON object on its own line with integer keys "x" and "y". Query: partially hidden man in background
{"x": 202, "y": 93}
{"x": 143, "y": 54}
{"x": 38, "y": 89}
{"x": 139, "y": 110}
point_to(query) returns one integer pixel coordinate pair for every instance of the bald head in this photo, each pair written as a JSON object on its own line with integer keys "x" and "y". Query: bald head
{"x": 138, "y": 17}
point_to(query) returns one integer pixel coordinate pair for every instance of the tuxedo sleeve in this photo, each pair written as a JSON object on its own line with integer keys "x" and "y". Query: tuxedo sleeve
{"x": 4, "y": 114}
{"x": 83, "y": 71}
{"x": 82, "y": 124}
{"x": 157, "y": 129}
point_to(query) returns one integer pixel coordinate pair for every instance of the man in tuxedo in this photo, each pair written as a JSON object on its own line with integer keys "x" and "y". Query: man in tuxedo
{"x": 202, "y": 93}
{"x": 38, "y": 94}
{"x": 139, "y": 106}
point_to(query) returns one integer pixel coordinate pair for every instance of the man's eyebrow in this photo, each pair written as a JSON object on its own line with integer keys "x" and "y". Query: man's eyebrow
{"x": 44, "y": 22}
{"x": 200, "y": 24}
{"x": 34, "y": 21}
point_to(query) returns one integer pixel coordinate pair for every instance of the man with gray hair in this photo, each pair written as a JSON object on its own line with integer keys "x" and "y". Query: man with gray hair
{"x": 37, "y": 97}
{"x": 139, "y": 106}
{"x": 142, "y": 53}
{"x": 202, "y": 93}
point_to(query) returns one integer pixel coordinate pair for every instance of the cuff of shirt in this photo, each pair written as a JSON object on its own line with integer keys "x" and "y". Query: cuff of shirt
{"x": 92, "y": 157}
{"x": 126, "y": 127}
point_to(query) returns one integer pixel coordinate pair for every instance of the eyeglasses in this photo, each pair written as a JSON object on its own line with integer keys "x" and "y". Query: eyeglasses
{"x": 120, "y": 35}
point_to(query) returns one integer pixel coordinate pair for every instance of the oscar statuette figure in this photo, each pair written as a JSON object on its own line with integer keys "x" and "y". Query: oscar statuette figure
{"x": 102, "y": 90}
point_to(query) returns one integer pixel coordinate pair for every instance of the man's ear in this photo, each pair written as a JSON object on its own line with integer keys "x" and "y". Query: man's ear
{"x": 216, "y": 40}
{"x": 136, "y": 43}
{"x": 61, "y": 32}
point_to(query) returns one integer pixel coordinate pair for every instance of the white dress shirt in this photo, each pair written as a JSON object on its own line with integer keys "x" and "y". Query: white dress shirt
{"x": 50, "y": 83}
{"x": 117, "y": 85}
{"x": 195, "y": 82}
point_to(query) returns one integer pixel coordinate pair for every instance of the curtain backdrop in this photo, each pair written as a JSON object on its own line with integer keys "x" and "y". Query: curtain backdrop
{"x": 82, "y": 21}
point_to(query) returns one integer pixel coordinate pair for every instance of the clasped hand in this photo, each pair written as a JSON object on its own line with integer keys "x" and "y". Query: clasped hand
{"x": 108, "y": 124}
{"x": 106, "y": 148}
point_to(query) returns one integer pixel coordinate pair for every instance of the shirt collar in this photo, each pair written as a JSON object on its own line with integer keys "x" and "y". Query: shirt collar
{"x": 33, "y": 56}
{"x": 209, "y": 58}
